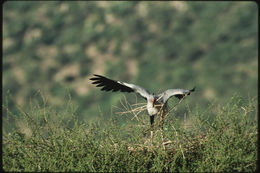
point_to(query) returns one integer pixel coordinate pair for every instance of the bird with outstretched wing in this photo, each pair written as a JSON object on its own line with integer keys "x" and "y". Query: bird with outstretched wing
{"x": 155, "y": 103}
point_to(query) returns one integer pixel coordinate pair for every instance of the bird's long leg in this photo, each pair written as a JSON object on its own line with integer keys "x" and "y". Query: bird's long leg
{"x": 152, "y": 124}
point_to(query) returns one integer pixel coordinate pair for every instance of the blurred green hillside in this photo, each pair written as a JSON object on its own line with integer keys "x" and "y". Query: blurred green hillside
{"x": 53, "y": 48}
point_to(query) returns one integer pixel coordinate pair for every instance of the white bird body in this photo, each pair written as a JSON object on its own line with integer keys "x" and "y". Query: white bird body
{"x": 155, "y": 103}
{"x": 152, "y": 110}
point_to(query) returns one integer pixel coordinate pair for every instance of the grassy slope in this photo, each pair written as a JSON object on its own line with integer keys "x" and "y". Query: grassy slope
{"x": 221, "y": 138}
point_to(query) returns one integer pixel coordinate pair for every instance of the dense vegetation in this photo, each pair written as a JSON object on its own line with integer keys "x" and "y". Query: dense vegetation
{"x": 54, "y": 141}
{"x": 55, "y": 120}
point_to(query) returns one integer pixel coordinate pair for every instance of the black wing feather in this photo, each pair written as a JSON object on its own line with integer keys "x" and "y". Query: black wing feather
{"x": 179, "y": 96}
{"x": 109, "y": 84}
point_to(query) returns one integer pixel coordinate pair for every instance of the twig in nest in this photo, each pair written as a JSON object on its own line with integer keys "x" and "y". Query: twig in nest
{"x": 134, "y": 109}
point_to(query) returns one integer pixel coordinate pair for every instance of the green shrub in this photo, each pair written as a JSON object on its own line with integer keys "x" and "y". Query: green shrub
{"x": 45, "y": 140}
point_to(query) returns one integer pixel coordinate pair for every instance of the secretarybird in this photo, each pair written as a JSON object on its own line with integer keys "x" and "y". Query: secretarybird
{"x": 155, "y": 103}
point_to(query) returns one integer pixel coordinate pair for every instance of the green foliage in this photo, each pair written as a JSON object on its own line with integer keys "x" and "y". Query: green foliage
{"x": 47, "y": 140}
{"x": 55, "y": 45}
